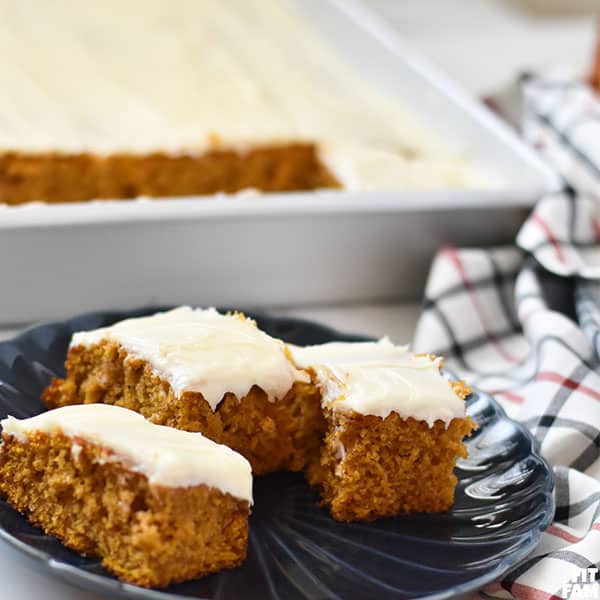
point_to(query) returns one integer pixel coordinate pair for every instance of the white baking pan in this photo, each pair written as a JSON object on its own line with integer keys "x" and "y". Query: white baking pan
{"x": 251, "y": 250}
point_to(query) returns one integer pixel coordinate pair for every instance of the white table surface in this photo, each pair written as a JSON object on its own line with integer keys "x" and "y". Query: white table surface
{"x": 482, "y": 43}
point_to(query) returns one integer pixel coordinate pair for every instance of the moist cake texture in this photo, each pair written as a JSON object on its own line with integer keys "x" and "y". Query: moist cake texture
{"x": 371, "y": 467}
{"x": 158, "y": 505}
{"x": 375, "y": 427}
{"x": 202, "y": 371}
{"x": 240, "y": 94}
{"x": 395, "y": 427}
{"x": 61, "y": 177}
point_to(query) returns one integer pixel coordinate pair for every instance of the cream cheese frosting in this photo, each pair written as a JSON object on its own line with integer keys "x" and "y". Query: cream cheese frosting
{"x": 347, "y": 352}
{"x": 175, "y": 75}
{"x": 201, "y": 350}
{"x": 377, "y": 378}
{"x": 166, "y": 456}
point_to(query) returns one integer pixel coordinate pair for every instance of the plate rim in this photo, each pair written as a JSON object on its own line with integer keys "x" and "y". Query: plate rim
{"x": 78, "y": 577}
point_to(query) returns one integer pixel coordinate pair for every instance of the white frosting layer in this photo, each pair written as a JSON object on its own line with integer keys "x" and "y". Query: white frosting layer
{"x": 347, "y": 352}
{"x": 204, "y": 351}
{"x": 166, "y": 456}
{"x": 376, "y": 378}
{"x": 170, "y": 75}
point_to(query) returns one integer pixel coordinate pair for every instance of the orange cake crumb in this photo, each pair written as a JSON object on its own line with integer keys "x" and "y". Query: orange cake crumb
{"x": 56, "y": 177}
{"x": 273, "y": 435}
{"x": 371, "y": 467}
{"x": 146, "y": 534}
{"x": 378, "y": 436}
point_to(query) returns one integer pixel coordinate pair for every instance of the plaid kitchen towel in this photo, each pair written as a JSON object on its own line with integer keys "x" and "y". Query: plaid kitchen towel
{"x": 524, "y": 324}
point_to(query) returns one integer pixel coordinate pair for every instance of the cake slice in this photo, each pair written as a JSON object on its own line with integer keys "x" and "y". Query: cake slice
{"x": 200, "y": 370}
{"x": 395, "y": 427}
{"x": 159, "y": 506}
{"x": 376, "y": 428}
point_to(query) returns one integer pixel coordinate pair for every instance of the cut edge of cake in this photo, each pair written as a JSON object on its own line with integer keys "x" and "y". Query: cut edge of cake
{"x": 252, "y": 399}
{"x": 322, "y": 425}
{"x": 154, "y": 516}
{"x": 60, "y": 177}
{"x": 385, "y": 451}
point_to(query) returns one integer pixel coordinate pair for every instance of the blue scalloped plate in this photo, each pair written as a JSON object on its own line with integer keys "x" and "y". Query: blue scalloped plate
{"x": 503, "y": 503}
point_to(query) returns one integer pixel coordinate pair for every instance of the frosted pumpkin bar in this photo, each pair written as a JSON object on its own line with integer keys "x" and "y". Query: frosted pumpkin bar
{"x": 375, "y": 427}
{"x": 395, "y": 427}
{"x": 200, "y": 370}
{"x": 158, "y": 505}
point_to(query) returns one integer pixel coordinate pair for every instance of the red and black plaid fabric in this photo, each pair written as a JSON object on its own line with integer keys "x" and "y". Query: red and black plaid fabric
{"x": 524, "y": 324}
{"x": 562, "y": 120}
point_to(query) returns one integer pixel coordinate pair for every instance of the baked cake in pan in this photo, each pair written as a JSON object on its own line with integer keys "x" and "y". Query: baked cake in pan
{"x": 128, "y": 98}
{"x": 158, "y": 505}
{"x": 376, "y": 428}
